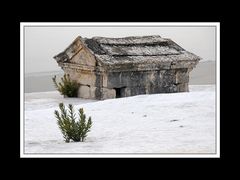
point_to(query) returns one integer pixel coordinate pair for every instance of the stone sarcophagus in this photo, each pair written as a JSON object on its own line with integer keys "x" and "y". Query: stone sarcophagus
{"x": 120, "y": 67}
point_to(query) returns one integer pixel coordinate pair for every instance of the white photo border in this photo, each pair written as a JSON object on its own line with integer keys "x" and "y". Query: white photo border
{"x": 120, "y": 155}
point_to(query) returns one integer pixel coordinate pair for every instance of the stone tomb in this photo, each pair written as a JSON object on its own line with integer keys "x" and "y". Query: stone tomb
{"x": 121, "y": 67}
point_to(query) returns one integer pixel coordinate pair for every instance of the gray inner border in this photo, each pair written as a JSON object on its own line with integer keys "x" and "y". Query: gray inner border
{"x": 120, "y": 153}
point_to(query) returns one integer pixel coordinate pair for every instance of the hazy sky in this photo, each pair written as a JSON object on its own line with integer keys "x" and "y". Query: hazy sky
{"x": 42, "y": 43}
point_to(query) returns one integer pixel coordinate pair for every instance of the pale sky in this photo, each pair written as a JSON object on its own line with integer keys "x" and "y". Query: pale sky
{"x": 42, "y": 43}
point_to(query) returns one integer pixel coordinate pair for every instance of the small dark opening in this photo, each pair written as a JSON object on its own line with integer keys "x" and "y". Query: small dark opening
{"x": 119, "y": 92}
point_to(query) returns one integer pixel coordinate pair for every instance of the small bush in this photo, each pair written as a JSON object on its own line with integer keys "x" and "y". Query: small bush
{"x": 66, "y": 87}
{"x": 70, "y": 128}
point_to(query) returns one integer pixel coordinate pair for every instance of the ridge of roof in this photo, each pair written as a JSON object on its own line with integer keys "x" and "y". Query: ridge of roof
{"x": 137, "y": 49}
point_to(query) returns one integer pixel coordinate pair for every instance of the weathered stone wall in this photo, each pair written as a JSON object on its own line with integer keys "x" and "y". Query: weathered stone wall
{"x": 85, "y": 77}
{"x": 86, "y": 81}
{"x": 100, "y": 85}
{"x": 82, "y": 68}
{"x": 146, "y": 82}
{"x": 84, "y": 57}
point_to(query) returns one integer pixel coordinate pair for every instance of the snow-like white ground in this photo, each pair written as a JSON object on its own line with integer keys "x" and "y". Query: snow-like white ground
{"x": 158, "y": 123}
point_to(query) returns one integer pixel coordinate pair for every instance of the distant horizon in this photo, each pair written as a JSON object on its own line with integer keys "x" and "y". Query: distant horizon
{"x": 60, "y": 70}
{"x": 204, "y": 73}
{"x": 43, "y": 72}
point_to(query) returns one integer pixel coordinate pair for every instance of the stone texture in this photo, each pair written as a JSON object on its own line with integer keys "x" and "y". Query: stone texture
{"x": 87, "y": 92}
{"x": 108, "y": 93}
{"x": 121, "y": 67}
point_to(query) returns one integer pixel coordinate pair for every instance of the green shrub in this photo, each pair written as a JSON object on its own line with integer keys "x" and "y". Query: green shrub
{"x": 70, "y": 128}
{"x": 67, "y": 87}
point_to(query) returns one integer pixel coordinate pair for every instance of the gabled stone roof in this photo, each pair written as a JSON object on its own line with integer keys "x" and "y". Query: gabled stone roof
{"x": 133, "y": 46}
{"x": 132, "y": 50}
